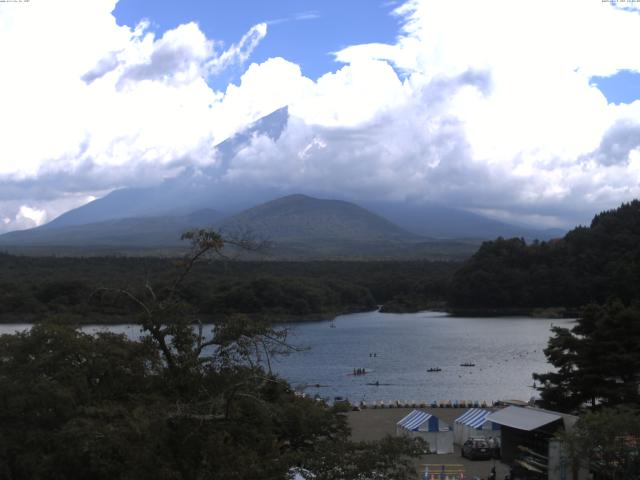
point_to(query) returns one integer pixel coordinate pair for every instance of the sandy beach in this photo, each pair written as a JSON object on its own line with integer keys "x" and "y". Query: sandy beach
{"x": 373, "y": 424}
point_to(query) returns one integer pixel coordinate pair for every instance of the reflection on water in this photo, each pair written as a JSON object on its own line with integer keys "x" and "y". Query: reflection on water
{"x": 396, "y": 350}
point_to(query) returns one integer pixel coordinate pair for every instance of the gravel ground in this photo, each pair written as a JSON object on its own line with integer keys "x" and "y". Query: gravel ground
{"x": 373, "y": 424}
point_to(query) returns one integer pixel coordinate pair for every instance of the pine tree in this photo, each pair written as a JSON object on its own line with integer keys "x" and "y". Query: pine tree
{"x": 597, "y": 362}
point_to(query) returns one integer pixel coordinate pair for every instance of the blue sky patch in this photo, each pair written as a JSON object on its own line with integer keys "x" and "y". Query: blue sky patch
{"x": 302, "y": 31}
{"x": 623, "y": 87}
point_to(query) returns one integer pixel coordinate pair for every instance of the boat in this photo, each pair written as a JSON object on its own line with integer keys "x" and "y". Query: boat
{"x": 434, "y": 369}
{"x": 359, "y": 372}
{"x": 467, "y": 364}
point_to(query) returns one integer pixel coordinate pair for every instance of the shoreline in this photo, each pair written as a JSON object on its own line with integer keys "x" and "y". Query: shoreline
{"x": 288, "y": 318}
{"x": 535, "y": 312}
{"x": 102, "y": 319}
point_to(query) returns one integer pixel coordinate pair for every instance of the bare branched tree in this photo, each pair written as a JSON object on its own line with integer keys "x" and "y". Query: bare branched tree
{"x": 166, "y": 319}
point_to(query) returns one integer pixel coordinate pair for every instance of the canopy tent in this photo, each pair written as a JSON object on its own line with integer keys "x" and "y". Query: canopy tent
{"x": 474, "y": 423}
{"x": 421, "y": 424}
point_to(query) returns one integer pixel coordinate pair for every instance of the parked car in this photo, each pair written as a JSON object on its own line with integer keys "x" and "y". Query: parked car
{"x": 476, "y": 449}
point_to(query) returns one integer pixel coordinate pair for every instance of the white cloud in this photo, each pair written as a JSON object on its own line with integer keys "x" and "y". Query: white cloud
{"x": 537, "y": 133}
{"x": 240, "y": 52}
{"x": 34, "y": 215}
{"x": 486, "y": 114}
{"x": 484, "y": 105}
{"x": 89, "y": 106}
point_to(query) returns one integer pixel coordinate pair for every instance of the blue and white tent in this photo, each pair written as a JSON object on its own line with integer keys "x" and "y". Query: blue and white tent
{"x": 474, "y": 423}
{"x": 422, "y": 424}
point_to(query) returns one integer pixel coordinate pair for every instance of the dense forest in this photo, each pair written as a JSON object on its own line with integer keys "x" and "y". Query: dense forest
{"x": 32, "y": 288}
{"x": 589, "y": 265}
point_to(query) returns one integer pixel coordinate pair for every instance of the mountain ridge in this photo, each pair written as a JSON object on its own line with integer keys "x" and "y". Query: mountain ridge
{"x": 193, "y": 190}
{"x": 185, "y": 193}
{"x": 298, "y": 227}
{"x": 136, "y": 232}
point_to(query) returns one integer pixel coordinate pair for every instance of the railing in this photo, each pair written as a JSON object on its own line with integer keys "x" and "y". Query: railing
{"x": 439, "y": 471}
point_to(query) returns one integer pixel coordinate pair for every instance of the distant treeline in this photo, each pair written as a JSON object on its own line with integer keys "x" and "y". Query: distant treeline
{"x": 592, "y": 264}
{"x": 32, "y": 288}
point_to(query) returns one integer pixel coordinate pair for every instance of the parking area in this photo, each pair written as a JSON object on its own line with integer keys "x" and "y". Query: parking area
{"x": 472, "y": 468}
{"x": 374, "y": 424}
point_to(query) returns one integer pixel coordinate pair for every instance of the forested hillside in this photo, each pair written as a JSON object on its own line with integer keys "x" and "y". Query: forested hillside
{"x": 32, "y": 288}
{"x": 590, "y": 264}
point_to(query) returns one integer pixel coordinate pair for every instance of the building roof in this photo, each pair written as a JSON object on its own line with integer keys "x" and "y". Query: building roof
{"x": 474, "y": 417}
{"x": 523, "y": 418}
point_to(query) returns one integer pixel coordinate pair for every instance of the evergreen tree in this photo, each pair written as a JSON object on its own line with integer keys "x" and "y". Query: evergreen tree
{"x": 589, "y": 265}
{"x": 597, "y": 362}
{"x": 607, "y": 443}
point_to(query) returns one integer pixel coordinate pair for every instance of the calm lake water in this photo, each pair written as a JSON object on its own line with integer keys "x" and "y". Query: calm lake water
{"x": 505, "y": 351}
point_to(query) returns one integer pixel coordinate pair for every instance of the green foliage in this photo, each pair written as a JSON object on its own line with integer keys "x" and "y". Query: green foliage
{"x": 588, "y": 265}
{"x": 386, "y": 459}
{"x": 34, "y": 287}
{"x": 607, "y": 442}
{"x": 296, "y": 296}
{"x": 597, "y": 362}
{"x": 177, "y": 405}
{"x": 77, "y": 406}
{"x": 62, "y": 390}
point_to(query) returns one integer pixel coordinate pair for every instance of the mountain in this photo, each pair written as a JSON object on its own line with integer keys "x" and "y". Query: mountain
{"x": 188, "y": 192}
{"x": 195, "y": 190}
{"x": 303, "y": 218}
{"x": 300, "y": 226}
{"x": 205, "y": 188}
{"x": 440, "y": 221}
{"x": 297, "y": 226}
{"x": 136, "y": 232}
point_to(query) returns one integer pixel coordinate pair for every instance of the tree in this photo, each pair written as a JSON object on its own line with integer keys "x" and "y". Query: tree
{"x": 71, "y": 401}
{"x": 389, "y": 458}
{"x": 597, "y": 362}
{"x": 606, "y": 442}
{"x": 179, "y": 404}
{"x": 589, "y": 264}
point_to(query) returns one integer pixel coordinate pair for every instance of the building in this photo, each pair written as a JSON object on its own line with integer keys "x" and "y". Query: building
{"x": 529, "y": 444}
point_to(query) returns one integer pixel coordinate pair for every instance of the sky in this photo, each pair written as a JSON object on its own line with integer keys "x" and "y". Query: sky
{"x": 305, "y": 32}
{"x": 523, "y": 111}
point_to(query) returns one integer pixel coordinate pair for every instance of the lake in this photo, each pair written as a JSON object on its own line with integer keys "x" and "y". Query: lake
{"x": 505, "y": 351}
